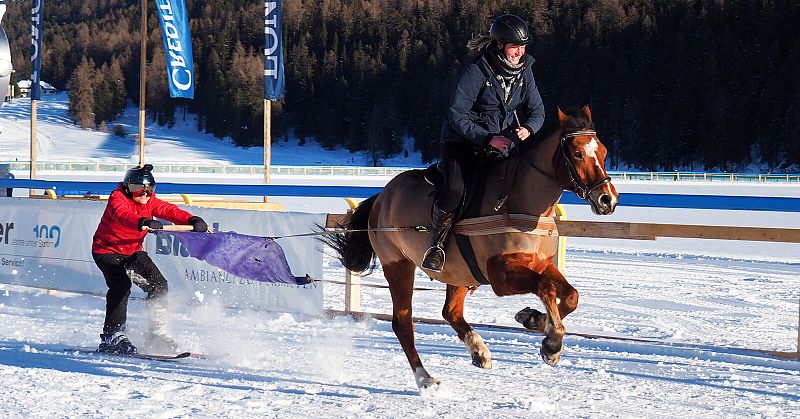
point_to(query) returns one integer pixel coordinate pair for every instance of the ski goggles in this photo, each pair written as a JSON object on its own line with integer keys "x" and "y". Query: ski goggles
{"x": 137, "y": 190}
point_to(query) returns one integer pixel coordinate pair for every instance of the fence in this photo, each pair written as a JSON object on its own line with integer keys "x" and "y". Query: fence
{"x": 258, "y": 170}
{"x": 640, "y": 231}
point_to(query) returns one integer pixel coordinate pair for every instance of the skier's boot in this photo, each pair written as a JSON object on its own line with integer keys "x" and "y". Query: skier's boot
{"x": 158, "y": 340}
{"x": 433, "y": 260}
{"x": 116, "y": 343}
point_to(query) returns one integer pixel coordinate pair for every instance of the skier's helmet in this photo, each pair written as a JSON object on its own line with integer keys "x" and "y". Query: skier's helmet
{"x": 510, "y": 29}
{"x": 139, "y": 180}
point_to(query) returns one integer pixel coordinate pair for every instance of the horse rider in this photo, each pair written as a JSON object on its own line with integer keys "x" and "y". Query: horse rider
{"x": 495, "y": 105}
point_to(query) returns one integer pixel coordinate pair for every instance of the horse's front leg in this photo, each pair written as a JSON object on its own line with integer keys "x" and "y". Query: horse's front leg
{"x": 453, "y": 312}
{"x": 513, "y": 274}
{"x": 400, "y": 276}
{"x": 559, "y": 301}
{"x": 567, "y": 303}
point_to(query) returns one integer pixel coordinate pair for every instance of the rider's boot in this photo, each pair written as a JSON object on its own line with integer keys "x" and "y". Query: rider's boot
{"x": 434, "y": 256}
{"x": 158, "y": 339}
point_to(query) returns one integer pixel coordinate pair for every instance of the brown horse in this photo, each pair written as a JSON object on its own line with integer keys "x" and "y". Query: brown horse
{"x": 513, "y": 238}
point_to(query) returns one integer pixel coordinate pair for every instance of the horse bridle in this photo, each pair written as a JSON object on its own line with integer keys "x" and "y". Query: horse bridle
{"x": 579, "y": 187}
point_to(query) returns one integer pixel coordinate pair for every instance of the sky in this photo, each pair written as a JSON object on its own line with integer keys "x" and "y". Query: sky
{"x": 703, "y": 313}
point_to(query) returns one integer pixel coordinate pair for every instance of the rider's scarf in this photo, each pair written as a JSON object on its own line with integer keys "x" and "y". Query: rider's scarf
{"x": 505, "y": 71}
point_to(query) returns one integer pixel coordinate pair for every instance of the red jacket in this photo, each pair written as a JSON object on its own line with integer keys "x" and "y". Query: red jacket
{"x": 118, "y": 231}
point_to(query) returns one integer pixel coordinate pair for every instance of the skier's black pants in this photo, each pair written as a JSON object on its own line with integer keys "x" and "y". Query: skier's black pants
{"x": 115, "y": 270}
{"x": 457, "y": 159}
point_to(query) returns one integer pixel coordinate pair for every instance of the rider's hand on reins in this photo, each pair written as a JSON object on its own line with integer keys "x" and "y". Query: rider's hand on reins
{"x": 500, "y": 142}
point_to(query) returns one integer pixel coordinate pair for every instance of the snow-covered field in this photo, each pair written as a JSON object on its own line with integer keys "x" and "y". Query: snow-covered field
{"x": 700, "y": 309}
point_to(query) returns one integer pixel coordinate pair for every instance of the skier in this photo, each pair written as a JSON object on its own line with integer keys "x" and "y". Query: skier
{"x": 117, "y": 251}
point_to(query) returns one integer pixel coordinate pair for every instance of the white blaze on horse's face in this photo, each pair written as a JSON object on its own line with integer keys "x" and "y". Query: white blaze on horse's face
{"x": 604, "y": 198}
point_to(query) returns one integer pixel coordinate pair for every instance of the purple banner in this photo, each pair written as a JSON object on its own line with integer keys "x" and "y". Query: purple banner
{"x": 249, "y": 257}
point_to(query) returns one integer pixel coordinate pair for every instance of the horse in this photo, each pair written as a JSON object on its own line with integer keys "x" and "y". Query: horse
{"x": 513, "y": 239}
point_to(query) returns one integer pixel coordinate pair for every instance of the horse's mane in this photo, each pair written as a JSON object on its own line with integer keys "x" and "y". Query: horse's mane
{"x": 576, "y": 120}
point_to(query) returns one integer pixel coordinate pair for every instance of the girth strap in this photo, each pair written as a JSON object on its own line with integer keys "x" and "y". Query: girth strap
{"x": 498, "y": 224}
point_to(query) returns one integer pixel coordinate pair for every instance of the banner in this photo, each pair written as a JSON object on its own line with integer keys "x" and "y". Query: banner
{"x": 249, "y": 257}
{"x": 274, "y": 78}
{"x": 178, "y": 47}
{"x": 47, "y": 243}
{"x": 5, "y": 57}
{"x": 36, "y": 41}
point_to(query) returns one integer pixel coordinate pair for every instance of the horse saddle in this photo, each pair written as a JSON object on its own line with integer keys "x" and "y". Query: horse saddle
{"x": 474, "y": 188}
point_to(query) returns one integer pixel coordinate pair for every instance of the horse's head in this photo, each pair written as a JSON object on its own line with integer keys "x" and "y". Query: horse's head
{"x": 580, "y": 162}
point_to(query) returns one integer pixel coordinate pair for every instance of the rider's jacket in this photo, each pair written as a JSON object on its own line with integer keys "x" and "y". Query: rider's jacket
{"x": 118, "y": 231}
{"x": 478, "y": 109}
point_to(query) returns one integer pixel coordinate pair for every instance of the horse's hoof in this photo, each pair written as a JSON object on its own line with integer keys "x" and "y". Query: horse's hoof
{"x": 531, "y": 319}
{"x": 428, "y": 383}
{"x": 481, "y": 362}
{"x": 551, "y": 350}
{"x": 550, "y": 359}
{"x": 424, "y": 380}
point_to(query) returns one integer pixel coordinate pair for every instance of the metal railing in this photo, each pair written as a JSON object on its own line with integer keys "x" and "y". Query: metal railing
{"x": 23, "y": 167}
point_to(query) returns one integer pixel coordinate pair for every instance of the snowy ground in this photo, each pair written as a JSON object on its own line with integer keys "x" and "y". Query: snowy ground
{"x": 704, "y": 304}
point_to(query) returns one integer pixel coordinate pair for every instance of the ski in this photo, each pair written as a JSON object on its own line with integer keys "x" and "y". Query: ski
{"x": 153, "y": 357}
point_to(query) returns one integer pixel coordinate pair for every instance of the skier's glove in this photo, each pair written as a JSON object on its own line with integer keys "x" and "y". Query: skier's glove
{"x": 198, "y": 224}
{"x": 149, "y": 223}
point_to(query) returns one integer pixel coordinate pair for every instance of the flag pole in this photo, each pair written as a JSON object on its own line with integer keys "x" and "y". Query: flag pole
{"x": 36, "y": 65}
{"x": 267, "y": 141}
{"x": 142, "y": 82}
{"x": 274, "y": 78}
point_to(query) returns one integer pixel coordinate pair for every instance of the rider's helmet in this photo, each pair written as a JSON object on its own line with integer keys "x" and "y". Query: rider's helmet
{"x": 139, "y": 181}
{"x": 510, "y": 29}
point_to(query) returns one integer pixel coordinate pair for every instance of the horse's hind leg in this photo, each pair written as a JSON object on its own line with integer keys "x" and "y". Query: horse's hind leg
{"x": 453, "y": 312}
{"x": 400, "y": 276}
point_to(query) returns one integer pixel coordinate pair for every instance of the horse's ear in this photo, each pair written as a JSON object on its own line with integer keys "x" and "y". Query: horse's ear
{"x": 561, "y": 116}
{"x": 587, "y": 112}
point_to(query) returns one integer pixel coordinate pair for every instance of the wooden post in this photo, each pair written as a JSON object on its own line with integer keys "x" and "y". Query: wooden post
{"x": 267, "y": 141}
{"x": 33, "y": 138}
{"x": 560, "y": 258}
{"x": 352, "y": 292}
{"x": 142, "y": 82}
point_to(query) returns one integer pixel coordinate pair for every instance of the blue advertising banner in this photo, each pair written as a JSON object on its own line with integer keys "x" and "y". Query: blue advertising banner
{"x": 36, "y": 56}
{"x": 274, "y": 78}
{"x": 178, "y": 47}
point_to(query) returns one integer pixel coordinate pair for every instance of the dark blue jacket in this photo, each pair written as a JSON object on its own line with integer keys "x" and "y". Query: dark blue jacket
{"x": 477, "y": 111}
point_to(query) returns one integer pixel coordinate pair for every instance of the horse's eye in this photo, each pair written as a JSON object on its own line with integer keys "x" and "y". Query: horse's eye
{"x": 578, "y": 154}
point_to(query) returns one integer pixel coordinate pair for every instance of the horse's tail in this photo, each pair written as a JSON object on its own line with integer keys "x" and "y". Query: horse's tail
{"x": 353, "y": 247}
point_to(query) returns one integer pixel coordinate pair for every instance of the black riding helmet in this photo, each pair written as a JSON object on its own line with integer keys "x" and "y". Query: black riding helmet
{"x": 139, "y": 177}
{"x": 510, "y": 29}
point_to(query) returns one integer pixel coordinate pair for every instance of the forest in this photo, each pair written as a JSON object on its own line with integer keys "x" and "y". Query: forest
{"x": 673, "y": 84}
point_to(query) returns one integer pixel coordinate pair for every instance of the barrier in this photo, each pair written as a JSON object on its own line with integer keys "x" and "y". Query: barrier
{"x": 277, "y": 170}
{"x": 47, "y": 243}
{"x": 640, "y": 231}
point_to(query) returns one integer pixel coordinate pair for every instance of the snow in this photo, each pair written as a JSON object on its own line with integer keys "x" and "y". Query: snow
{"x": 702, "y": 314}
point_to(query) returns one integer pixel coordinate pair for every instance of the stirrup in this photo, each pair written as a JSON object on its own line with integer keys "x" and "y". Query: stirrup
{"x": 433, "y": 260}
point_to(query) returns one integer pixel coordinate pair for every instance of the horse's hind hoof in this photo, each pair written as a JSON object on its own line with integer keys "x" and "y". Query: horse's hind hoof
{"x": 531, "y": 319}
